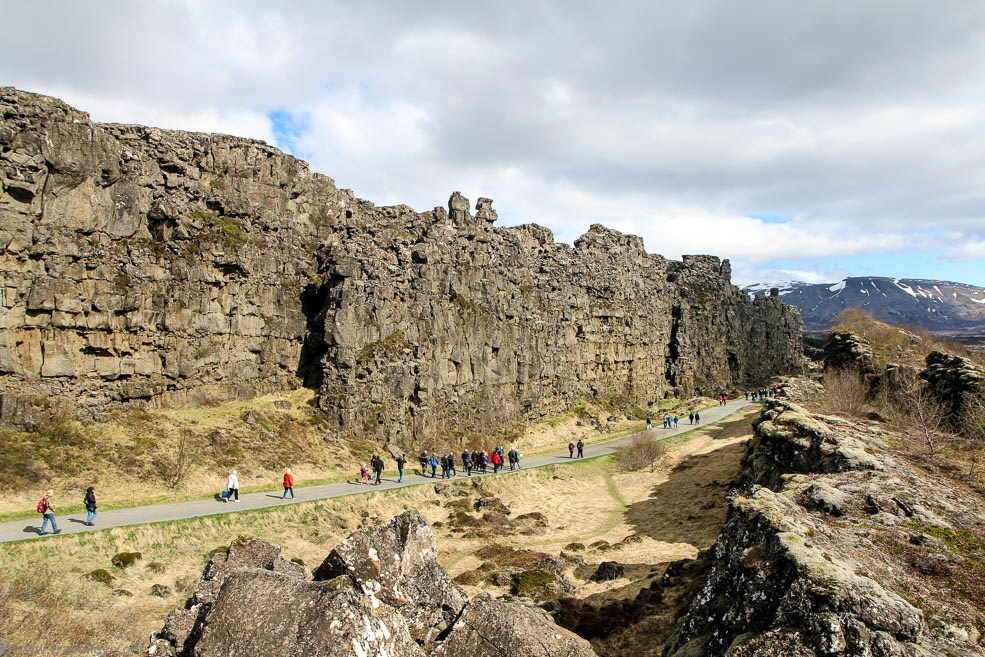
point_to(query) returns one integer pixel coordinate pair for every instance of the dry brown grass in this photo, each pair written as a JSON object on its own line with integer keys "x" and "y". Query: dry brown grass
{"x": 899, "y": 344}
{"x": 845, "y": 392}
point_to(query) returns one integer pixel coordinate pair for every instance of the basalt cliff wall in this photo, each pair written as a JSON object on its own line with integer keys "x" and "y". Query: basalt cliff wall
{"x": 143, "y": 266}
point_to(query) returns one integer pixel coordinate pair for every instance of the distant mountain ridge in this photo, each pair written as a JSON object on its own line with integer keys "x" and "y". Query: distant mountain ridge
{"x": 939, "y": 306}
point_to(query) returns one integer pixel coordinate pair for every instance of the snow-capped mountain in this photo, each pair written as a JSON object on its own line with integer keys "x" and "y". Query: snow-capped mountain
{"x": 939, "y": 306}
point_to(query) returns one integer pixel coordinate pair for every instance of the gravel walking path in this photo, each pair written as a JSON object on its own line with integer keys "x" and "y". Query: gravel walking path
{"x": 16, "y": 530}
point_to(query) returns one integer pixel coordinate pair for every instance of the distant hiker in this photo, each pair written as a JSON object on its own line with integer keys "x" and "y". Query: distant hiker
{"x": 444, "y": 466}
{"x": 433, "y": 462}
{"x": 401, "y": 461}
{"x": 232, "y": 485}
{"x": 581, "y": 448}
{"x": 676, "y": 420}
{"x": 47, "y": 510}
{"x": 363, "y": 474}
{"x": 571, "y": 450}
{"x": 467, "y": 462}
{"x": 483, "y": 461}
{"x": 423, "y": 458}
{"x": 516, "y": 456}
{"x": 511, "y": 457}
{"x": 690, "y": 418}
{"x": 649, "y": 421}
{"x": 451, "y": 465}
{"x": 697, "y": 418}
{"x": 288, "y": 484}
{"x": 90, "y": 504}
{"x": 497, "y": 461}
{"x": 378, "y": 469}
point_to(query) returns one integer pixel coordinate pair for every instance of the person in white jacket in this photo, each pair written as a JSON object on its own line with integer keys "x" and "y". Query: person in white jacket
{"x": 232, "y": 485}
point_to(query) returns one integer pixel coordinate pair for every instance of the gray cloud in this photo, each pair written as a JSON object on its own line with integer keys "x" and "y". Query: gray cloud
{"x": 853, "y": 118}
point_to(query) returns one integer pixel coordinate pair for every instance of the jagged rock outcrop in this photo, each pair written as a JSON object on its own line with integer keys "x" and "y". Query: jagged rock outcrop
{"x": 952, "y": 379}
{"x": 144, "y": 266}
{"x": 846, "y": 351}
{"x": 380, "y": 593}
{"x": 832, "y": 546}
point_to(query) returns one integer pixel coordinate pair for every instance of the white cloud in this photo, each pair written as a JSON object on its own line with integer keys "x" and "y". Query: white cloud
{"x": 673, "y": 122}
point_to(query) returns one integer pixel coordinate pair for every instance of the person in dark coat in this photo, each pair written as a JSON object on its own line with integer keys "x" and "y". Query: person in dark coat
{"x": 90, "y": 504}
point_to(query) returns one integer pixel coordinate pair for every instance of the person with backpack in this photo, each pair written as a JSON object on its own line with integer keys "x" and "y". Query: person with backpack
{"x": 90, "y": 504}
{"x": 232, "y": 485}
{"x": 288, "y": 484}
{"x": 581, "y": 448}
{"x": 467, "y": 462}
{"x": 571, "y": 450}
{"x": 47, "y": 509}
{"x": 434, "y": 466}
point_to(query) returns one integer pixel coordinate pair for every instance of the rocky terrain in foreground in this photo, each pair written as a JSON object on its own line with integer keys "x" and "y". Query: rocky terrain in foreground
{"x": 381, "y": 593}
{"x": 835, "y": 543}
{"x": 836, "y": 546}
{"x": 145, "y": 267}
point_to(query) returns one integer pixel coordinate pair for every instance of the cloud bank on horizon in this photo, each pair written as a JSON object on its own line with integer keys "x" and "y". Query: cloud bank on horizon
{"x": 804, "y": 141}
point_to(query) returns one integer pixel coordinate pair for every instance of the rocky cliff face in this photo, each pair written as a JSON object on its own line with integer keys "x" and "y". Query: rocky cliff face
{"x": 833, "y": 546}
{"x": 170, "y": 268}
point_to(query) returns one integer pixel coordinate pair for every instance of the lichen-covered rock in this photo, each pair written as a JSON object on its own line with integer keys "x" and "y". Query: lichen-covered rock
{"x": 396, "y": 562}
{"x": 827, "y": 545}
{"x": 493, "y": 628}
{"x": 380, "y": 593}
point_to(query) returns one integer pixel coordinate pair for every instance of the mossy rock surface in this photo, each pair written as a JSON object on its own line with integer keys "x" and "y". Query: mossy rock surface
{"x": 126, "y": 559}
{"x": 101, "y": 575}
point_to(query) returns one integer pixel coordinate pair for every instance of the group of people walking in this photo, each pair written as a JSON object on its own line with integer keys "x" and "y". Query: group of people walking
{"x": 761, "y": 394}
{"x": 477, "y": 461}
{"x": 46, "y": 507}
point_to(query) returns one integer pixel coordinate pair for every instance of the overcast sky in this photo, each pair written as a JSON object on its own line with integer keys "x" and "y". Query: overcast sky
{"x": 803, "y": 140}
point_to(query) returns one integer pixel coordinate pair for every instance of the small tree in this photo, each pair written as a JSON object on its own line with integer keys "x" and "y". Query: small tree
{"x": 912, "y": 408}
{"x": 846, "y": 391}
{"x": 973, "y": 428}
{"x": 641, "y": 452}
{"x": 173, "y": 468}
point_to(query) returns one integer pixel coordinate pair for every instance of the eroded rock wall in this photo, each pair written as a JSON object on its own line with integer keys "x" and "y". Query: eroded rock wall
{"x": 170, "y": 268}
{"x": 833, "y": 546}
{"x": 142, "y": 264}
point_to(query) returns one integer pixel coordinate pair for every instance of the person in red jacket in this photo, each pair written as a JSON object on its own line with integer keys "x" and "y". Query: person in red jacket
{"x": 497, "y": 462}
{"x": 288, "y": 484}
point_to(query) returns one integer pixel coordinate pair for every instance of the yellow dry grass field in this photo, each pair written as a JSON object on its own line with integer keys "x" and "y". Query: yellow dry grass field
{"x": 50, "y": 604}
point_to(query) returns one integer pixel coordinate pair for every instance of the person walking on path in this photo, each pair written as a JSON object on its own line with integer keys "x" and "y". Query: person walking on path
{"x": 434, "y": 466}
{"x": 467, "y": 462}
{"x": 377, "y": 469}
{"x": 497, "y": 461}
{"x": 690, "y": 418}
{"x": 288, "y": 484}
{"x": 90, "y": 504}
{"x": 47, "y": 510}
{"x": 697, "y": 418}
{"x": 401, "y": 462}
{"x": 232, "y": 485}
{"x": 581, "y": 448}
{"x": 363, "y": 474}
{"x": 451, "y": 465}
{"x": 676, "y": 420}
{"x": 571, "y": 450}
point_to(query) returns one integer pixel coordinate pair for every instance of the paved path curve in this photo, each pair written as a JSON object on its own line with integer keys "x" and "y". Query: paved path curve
{"x": 73, "y": 524}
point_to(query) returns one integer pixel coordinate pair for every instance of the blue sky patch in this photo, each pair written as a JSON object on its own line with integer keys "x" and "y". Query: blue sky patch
{"x": 288, "y": 128}
{"x": 770, "y": 218}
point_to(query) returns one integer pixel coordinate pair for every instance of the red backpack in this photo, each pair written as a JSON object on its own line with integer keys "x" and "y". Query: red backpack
{"x": 43, "y": 505}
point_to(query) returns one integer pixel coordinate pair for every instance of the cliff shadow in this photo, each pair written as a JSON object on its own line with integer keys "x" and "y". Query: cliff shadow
{"x": 310, "y": 369}
{"x": 690, "y": 506}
